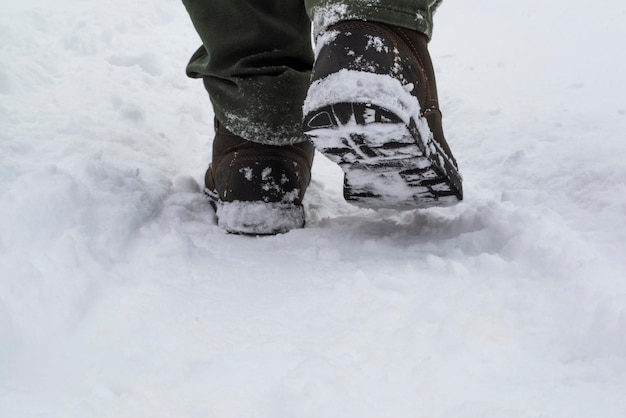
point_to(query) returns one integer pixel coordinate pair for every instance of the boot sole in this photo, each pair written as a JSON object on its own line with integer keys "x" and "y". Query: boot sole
{"x": 256, "y": 218}
{"x": 385, "y": 161}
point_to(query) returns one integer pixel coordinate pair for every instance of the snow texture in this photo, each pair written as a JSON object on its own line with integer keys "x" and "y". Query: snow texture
{"x": 121, "y": 297}
{"x": 260, "y": 218}
{"x": 346, "y": 86}
{"x": 328, "y": 15}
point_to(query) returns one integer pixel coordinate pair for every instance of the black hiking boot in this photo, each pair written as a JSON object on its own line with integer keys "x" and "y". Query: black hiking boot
{"x": 257, "y": 189}
{"x": 372, "y": 108}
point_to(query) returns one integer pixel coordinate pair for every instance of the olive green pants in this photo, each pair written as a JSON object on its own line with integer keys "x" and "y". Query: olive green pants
{"x": 256, "y": 56}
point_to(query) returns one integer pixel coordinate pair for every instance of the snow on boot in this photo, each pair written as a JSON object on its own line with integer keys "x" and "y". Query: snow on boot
{"x": 372, "y": 108}
{"x": 257, "y": 189}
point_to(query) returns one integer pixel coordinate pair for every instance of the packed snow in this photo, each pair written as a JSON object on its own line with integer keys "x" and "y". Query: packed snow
{"x": 121, "y": 297}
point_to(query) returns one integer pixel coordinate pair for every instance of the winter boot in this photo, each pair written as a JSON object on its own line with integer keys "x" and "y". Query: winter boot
{"x": 372, "y": 108}
{"x": 257, "y": 189}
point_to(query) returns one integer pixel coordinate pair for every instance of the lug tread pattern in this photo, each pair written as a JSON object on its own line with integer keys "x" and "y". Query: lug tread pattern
{"x": 397, "y": 171}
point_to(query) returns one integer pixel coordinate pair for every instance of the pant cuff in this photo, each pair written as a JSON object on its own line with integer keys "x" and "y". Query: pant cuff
{"x": 409, "y": 17}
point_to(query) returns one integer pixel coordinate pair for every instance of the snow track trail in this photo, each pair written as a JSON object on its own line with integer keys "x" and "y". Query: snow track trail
{"x": 120, "y": 297}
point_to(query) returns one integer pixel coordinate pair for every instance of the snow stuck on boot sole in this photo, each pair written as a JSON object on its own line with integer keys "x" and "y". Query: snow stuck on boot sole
{"x": 256, "y": 218}
{"x": 376, "y": 137}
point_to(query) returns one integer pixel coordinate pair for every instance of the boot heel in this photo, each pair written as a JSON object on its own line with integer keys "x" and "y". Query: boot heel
{"x": 258, "y": 218}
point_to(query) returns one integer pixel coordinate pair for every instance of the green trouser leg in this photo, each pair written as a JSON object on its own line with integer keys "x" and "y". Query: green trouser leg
{"x": 256, "y": 56}
{"x": 411, "y": 14}
{"x": 255, "y": 61}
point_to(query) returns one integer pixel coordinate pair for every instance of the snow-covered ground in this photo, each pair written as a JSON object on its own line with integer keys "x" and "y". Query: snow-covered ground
{"x": 120, "y": 297}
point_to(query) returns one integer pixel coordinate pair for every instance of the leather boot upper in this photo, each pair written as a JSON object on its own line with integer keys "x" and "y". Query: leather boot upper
{"x": 247, "y": 171}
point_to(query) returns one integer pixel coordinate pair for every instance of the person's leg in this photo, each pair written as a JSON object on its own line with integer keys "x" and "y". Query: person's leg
{"x": 255, "y": 61}
{"x": 372, "y": 106}
{"x": 409, "y": 14}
